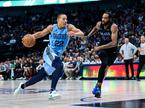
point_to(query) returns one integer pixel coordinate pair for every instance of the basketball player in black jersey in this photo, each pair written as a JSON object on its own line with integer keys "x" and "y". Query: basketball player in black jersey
{"x": 107, "y": 49}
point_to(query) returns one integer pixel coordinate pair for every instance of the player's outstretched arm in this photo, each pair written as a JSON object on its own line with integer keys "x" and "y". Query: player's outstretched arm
{"x": 29, "y": 40}
{"x": 43, "y": 33}
{"x": 95, "y": 29}
{"x": 73, "y": 31}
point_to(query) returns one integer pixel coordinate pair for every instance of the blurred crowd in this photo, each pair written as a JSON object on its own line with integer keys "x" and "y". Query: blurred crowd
{"x": 22, "y": 68}
{"x": 131, "y": 22}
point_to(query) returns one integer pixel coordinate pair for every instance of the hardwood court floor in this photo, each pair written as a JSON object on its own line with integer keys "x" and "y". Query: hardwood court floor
{"x": 75, "y": 94}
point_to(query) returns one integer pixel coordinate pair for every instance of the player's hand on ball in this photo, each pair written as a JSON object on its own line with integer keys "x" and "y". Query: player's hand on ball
{"x": 28, "y": 40}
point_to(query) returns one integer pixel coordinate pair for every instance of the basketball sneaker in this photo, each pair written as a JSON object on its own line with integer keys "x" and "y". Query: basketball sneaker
{"x": 53, "y": 94}
{"x": 18, "y": 90}
{"x": 97, "y": 92}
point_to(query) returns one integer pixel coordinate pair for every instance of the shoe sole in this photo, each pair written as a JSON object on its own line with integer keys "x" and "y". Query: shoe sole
{"x": 52, "y": 98}
{"x": 98, "y": 95}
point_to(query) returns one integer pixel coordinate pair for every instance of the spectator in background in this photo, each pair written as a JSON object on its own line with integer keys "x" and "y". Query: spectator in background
{"x": 70, "y": 68}
{"x": 18, "y": 71}
{"x": 86, "y": 59}
{"x": 40, "y": 65}
{"x": 12, "y": 67}
{"x": 32, "y": 66}
{"x": 92, "y": 60}
{"x": 128, "y": 51}
{"x": 8, "y": 69}
{"x": 3, "y": 71}
{"x": 78, "y": 68}
{"x": 119, "y": 59}
{"x": 65, "y": 66}
{"x": 98, "y": 61}
{"x": 27, "y": 69}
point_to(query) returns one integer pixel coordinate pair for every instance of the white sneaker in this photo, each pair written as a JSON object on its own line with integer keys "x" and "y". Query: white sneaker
{"x": 53, "y": 94}
{"x": 18, "y": 90}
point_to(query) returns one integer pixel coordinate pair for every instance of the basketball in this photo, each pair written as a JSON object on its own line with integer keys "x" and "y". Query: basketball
{"x": 28, "y": 41}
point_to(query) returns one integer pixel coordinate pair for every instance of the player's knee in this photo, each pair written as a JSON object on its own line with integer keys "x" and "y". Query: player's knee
{"x": 57, "y": 64}
{"x": 41, "y": 72}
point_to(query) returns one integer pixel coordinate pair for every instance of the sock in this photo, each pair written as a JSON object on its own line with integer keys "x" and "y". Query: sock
{"x": 51, "y": 90}
{"x": 99, "y": 85}
{"x": 23, "y": 86}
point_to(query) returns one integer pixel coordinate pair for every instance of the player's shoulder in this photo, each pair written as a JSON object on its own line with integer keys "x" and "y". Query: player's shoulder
{"x": 98, "y": 23}
{"x": 69, "y": 26}
{"x": 50, "y": 26}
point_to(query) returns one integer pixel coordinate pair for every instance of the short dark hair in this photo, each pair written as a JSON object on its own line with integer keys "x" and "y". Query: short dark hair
{"x": 109, "y": 14}
{"x": 59, "y": 15}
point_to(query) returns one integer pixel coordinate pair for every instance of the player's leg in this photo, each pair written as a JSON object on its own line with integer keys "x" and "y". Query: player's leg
{"x": 57, "y": 63}
{"x": 107, "y": 60}
{"x": 101, "y": 75}
{"x": 102, "y": 72}
{"x": 38, "y": 77}
{"x": 55, "y": 77}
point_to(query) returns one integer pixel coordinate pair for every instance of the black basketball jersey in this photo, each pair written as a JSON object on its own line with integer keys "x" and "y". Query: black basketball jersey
{"x": 105, "y": 37}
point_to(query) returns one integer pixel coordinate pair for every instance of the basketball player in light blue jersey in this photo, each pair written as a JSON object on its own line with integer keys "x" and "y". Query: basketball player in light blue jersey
{"x": 59, "y": 39}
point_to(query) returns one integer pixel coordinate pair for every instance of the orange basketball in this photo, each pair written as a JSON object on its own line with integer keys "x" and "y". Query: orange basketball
{"x": 28, "y": 40}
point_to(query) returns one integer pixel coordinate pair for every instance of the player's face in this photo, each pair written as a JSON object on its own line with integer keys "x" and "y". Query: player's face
{"x": 62, "y": 20}
{"x": 105, "y": 19}
{"x": 142, "y": 39}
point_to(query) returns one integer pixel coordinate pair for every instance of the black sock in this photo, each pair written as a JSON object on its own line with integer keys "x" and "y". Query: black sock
{"x": 23, "y": 86}
{"x": 98, "y": 85}
{"x": 51, "y": 90}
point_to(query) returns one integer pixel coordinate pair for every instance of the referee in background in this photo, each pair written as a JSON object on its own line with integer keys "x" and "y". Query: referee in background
{"x": 128, "y": 51}
{"x": 141, "y": 50}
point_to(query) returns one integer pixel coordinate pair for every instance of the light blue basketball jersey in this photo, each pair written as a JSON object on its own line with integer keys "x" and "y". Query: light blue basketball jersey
{"x": 58, "y": 39}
